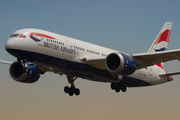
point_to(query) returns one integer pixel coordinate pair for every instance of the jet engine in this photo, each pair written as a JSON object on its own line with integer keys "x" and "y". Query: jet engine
{"x": 120, "y": 63}
{"x": 24, "y": 72}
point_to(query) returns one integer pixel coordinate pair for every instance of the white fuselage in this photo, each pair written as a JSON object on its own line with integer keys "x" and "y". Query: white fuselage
{"x": 65, "y": 55}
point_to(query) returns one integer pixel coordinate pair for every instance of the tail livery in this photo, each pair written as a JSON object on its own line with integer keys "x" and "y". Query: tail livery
{"x": 162, "y": 39}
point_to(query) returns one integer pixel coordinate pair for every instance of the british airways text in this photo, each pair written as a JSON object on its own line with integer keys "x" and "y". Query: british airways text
{"x": 59, "y": 48}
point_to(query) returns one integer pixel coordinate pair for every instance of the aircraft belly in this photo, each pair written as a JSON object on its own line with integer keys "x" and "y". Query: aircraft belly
{"x": 68, "y": 67}
{"x": 81, "y": 70}
{"x": 134, "y": 82}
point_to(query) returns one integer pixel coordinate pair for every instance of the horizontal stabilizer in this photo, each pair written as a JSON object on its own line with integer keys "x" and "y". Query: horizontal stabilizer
{"x": 169, "y": 74}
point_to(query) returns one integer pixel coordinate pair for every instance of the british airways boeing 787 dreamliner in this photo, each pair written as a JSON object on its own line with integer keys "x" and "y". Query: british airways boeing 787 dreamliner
{"x": 38, "y": 51}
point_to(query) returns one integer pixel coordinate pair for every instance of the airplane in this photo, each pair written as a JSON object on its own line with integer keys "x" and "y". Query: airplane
{"x": 39, "y": 51}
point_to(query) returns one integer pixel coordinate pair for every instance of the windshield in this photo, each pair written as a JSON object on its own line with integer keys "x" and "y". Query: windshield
{"x": 14, "y": 35}
{"x": 18, "y": 35}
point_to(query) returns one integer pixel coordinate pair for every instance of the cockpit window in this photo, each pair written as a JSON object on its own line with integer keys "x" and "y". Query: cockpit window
{"x": 14, "y": 35}
{"x": 18, "y": 35}
{"x": 22, "y": 35}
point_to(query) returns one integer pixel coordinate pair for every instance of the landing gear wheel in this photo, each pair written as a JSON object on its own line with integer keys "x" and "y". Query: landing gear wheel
{"x": 117, "y": 89}
{"x": 113, "y": 86}
{"x": 71, "y": 93}
{"x": 66, "y": 89}
{"x": 77, "y": 91}
{"x": 118, "y": 86}
{"x": 71, "y": 90}
{"x": 124, "y": 88}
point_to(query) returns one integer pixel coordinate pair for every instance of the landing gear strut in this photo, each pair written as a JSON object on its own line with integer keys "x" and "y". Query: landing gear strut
{"x": 71, "y": 90}
{"x": 118, "y": 86}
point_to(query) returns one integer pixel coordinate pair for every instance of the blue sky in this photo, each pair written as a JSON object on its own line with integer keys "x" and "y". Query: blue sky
{"x": 128, "y": 26}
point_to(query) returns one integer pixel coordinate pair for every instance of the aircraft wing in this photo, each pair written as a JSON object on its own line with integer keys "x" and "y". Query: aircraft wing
{"x": 97, "y": 62}
{"x": 6, "y": 62}
{"x": 144, "y": 60}
{"x": 44, "y": 69}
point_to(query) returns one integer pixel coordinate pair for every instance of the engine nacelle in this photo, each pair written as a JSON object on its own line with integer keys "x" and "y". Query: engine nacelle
{"x": 25, "y": 73}
{"x": 120, "y": 63}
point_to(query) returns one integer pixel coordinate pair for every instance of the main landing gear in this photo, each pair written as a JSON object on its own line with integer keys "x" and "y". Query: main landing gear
{"x": 118, "y": 86}
{"x": 71, "y": 90}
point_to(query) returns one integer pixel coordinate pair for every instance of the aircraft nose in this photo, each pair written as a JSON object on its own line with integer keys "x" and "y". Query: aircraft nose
{"x": 10, "y": 44}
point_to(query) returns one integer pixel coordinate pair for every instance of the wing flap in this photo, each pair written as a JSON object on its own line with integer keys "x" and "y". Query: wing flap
{"x": 97, "y": 62}
{"x": 44, "y": 69}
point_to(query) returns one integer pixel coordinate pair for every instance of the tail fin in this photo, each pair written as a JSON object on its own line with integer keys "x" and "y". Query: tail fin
{"x": 162, "y": 40}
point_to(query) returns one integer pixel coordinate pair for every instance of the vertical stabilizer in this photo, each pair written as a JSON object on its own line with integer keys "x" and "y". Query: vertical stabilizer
{"x": 162, "y": 40}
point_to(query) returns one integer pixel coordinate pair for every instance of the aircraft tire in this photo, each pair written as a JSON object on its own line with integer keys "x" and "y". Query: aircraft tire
{"x": 117, "y": 89}
{"x": 77, "y": 91}
{"x": 71, "y": 90}
{"x": 124, "y": 88}
{"x": 66, "y": 89}
{"x": 71, "y": 93}
{"x": 113, "y": 86}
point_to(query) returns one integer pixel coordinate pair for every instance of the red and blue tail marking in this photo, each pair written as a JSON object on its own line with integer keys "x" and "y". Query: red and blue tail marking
{"x": 162, "y": 40}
